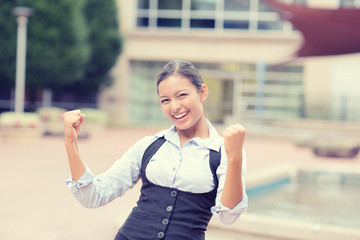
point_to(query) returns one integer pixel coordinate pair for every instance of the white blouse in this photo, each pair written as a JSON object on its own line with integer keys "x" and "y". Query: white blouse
{"x": 185, "y": 168}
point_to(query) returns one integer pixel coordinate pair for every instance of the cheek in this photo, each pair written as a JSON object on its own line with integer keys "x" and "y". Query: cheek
{"x": 165, "y": 109}
{"x": 195, "y": 104}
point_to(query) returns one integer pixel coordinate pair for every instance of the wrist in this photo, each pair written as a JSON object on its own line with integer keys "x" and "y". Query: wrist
{"x": 70, "y": 143}
{"x": 235, "y": 158}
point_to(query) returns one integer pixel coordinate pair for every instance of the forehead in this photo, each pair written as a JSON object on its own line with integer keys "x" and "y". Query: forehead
{"x": 173, "y": 84}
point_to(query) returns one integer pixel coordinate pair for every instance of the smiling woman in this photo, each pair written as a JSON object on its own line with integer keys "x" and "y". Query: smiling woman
{"x": 182, "y": 93}
{"x": 188, "y": 171}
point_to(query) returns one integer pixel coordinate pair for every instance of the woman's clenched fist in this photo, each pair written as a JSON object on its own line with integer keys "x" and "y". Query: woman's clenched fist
{"x": 73, "y": 121}
{"x": 234, "y": 137}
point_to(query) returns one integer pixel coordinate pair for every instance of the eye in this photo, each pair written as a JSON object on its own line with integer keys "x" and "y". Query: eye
{"x": 182, "y": 95}
{"x": 165, "y": 100}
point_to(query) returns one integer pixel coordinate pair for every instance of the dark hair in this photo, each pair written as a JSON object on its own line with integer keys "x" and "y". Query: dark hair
{"x": 182, "y": 68}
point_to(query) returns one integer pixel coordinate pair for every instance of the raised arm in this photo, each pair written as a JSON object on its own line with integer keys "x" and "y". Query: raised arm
{"x": 73, "y": 121}
{"x": 234, "y": 137}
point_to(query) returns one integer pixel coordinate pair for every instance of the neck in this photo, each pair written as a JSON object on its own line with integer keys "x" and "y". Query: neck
{"x": 200, "y": 129}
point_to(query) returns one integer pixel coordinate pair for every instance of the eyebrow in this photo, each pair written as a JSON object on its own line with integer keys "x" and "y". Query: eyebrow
{"x": 184, "y": 89}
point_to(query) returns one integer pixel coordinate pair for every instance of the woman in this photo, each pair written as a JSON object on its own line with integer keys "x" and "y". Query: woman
{"x": 188, "y": 171}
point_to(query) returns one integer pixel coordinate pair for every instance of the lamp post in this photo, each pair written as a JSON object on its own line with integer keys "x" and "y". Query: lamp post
{"x": 22, "y": 14}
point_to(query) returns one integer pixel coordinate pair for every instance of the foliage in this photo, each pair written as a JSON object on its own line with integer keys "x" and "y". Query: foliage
{"x": 51, "y": 114}
{"x": 71, "y": 45}
{"x": 20, "y": 120}
{"x": 7, "y": 45}
{"x": 105, "y": 42}
{"x": 95, "y": 115}
{"x": 58, "y": 48}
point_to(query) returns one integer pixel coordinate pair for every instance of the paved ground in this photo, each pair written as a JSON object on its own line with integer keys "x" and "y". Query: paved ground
{"x": 35, "y": 203}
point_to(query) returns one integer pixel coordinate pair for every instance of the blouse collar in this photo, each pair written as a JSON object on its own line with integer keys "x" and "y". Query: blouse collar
{"x": 213, "y": 142}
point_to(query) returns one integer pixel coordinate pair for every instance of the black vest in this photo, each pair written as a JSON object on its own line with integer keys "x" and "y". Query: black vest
{"x": 168, "y": 213}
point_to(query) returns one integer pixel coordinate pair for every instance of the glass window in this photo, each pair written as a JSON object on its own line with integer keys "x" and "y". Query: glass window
{"x": 142, "y": 22}
{"x": 202, "y": 23}
{"x": 203, "y": 4}
{"x": 346, "y": 3}
{"x": 235, "y": 14}
{"x": 236, "y": 24}
{"x": 170, "y": 4}
{"x": 349, "y": 3}
{"x": 300, "y": 2}
{"x": 235, "y": 5}
{"x": 265, "y": 8}
{"x": 270, "y": 25}
{"x": 143, "y": 4}
{"x": 144, "y": 101}
{"x": 169, "y": 22}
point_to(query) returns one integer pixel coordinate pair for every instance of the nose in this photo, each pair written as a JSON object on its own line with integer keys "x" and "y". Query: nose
{"x": 175, "y": 106}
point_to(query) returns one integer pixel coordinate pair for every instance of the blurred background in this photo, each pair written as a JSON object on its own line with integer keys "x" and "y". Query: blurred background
{"x": 104, "y": 56}
{"x": 107, "y": 55}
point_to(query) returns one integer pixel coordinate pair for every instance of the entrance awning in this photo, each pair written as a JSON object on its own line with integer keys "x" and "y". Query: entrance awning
{"x": 325, "y": 31}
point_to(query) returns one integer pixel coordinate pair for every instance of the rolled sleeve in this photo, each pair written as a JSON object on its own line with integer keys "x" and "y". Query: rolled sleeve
{"x": 227, "y": 215}
{"x": 83, "y": 188}
{"x": 84, "y": 180}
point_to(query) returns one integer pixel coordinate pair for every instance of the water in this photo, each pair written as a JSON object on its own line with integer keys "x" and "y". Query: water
{"x": 319, "y": 197}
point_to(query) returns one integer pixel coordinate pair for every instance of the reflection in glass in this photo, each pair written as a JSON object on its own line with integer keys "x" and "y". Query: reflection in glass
{"x": 265, "y": 8}
{"x": 235, "y": 5}
{"x": 142, "y": 22}
{"x": 236, "y": 24}
{"x": 202, "y": 23}
{"x": 203, "y": 4}
{"x": 299, "y": 2}
{"x": 143, "y": 4}
{"x": 169, "y": 22}
{"x": 350, "y": 3}
{"x": 270, "y": 25}
{"x": 170, "y": 4}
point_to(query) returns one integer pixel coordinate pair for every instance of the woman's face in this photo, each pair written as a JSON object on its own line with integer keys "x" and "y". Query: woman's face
{"x": 181, "y": 101}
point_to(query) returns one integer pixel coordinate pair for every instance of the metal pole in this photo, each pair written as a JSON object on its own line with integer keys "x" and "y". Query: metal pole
{"x": 260, "y": 79}
{"x": 237, "y": 98}
{"x": 22, "y": 14}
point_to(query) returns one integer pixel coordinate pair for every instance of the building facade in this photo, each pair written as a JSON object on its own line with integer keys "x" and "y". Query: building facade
{"x": 244, "y": 54}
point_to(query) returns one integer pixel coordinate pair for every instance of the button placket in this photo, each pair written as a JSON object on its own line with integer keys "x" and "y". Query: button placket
{"x": 173, "y": 193}
{"x": 161, "y": 235}
{"x": 169, "y": 208}
{"x": 165, "y": 221}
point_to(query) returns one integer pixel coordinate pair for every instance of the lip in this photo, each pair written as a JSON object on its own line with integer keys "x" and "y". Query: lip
{"x": 180, "y": 116}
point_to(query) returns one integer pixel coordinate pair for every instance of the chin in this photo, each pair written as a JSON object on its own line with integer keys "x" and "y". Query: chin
{"x": 184, "y": 126}
{"x": 180, "y": 127}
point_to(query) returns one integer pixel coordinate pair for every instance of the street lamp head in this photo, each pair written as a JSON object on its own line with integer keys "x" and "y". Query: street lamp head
{"x": 22, "y": 11}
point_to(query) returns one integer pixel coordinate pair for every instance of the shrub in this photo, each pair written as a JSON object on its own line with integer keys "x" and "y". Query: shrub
{"x": 20, "y": 120}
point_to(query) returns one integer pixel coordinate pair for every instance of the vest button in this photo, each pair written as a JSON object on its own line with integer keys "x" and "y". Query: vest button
{"x": 165, "y": 221}
{"x": 161, "y": 234}
{"x": 169, "y": 208}
{"x": 173, "y": 194}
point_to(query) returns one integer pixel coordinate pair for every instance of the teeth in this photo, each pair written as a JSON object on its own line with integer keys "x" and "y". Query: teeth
{"x": 181, "y": 115}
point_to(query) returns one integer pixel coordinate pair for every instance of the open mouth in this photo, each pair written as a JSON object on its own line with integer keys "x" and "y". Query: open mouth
{"x": 181, "y": 115}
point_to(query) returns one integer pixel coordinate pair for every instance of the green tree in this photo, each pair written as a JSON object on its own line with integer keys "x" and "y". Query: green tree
{"x": 7, "y": 45}
{"x": 105, "y": 44}
{"x": 57, "y": 46}
{"x": 58, "y": 50}
{"x": 70, "y": 43}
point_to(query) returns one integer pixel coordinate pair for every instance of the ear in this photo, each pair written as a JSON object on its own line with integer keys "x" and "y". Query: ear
{"x": 203, "y": 93}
